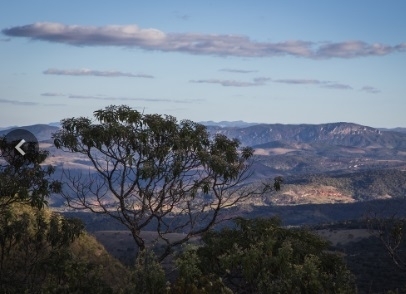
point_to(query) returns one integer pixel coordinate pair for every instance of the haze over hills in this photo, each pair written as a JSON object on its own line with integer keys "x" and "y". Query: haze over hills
{"x": 341, "y": 133}
{"x": 400, "y": 130}
{"x": 292, "y": 149}
{"x": 222, "y": 124}
{"x": 335, "y": 150}
{"x": 228, "y": 125}
{"x": 41, "y": 131}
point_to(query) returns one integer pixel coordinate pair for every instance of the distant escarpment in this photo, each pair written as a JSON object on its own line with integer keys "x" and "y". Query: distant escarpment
{"x": 341, "y": 133}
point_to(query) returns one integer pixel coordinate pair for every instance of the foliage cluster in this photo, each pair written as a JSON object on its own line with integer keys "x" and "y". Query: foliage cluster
{"x": 26, "y": 180}
{"x": 150, "y": 168}
{"x": 260, "y": 256}
{"x": 40, "y": 251}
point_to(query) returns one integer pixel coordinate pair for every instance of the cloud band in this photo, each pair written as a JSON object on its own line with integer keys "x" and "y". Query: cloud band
{"x": 96, "y": 73}
{"x": 194, "y": 43}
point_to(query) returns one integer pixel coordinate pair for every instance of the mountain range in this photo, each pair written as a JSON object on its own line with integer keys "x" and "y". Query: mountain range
{"x": 337, "y": 151}
{"x": 341, "y": 133}
{"x": 42, "y": 132}
{"x": 237, "y": 123}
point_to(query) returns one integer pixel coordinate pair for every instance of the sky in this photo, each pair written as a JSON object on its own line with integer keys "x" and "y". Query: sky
{"x": 288, "y": 62}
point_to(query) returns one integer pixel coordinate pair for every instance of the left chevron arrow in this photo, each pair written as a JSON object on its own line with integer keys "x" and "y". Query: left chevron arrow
{"x": 18, "y": 147}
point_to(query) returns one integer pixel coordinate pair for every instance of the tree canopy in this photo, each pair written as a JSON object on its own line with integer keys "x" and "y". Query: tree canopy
{"x": 260, "y": 256}
{"x": 26, "y": 180}
{"x": 149, "y": 168}
{"x": 41, "y": 251}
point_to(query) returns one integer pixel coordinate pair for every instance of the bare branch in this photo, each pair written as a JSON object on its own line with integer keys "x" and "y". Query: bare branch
{"x": 151, "y": 170}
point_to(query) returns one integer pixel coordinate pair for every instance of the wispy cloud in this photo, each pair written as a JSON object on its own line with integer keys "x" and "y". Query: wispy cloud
{"x": 370, "y": 89}
{"x": 96, "y": 73}
{"x": 232, "y": 83}
{"x": 28, "y": 103}
{"x": 118, "y": 98}
{"x": 5, "y": 40}
{"x": 187, "y": 101}
{"x": 337, "y": 86}
{"x": 52, "y": 94}
{"x": 324, "y": 84}
{"x": 237, "y": 70}
{"x": 299, "y": 81}
{"x": 195, "y": 43}
{"x": 352, "y": 49}
{"x": 182, "y": 16}
{"x": 16, "y": 102}
{"x": 260, "y": 81}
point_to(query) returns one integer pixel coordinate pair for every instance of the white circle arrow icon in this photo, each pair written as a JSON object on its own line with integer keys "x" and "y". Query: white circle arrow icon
{"x": 18, "y": 147}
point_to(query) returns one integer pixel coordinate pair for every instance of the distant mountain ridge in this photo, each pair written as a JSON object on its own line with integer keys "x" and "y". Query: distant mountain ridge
{"x": 295, "y": 152}
{"x": 253, "y": 134}
{"x": 400, "y": 130}
{"x": 42, "y": 132}
{"x": 340, "y": 133}
{"x": 228, "y": 124}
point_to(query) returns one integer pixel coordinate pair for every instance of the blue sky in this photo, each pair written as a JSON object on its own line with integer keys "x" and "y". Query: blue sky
{"x": 284, "y": 62}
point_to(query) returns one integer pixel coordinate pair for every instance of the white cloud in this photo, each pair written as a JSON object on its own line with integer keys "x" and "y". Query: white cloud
{"x": 195, "y": 43}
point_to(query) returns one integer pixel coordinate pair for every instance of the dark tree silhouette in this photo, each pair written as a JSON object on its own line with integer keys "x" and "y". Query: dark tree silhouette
{"x": 152, "y": 172}
{"x": 25, "y": 179}
{"x": 389, "y": 226}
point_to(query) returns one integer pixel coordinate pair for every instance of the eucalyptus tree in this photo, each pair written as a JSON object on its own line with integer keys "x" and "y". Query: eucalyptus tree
{"x": 260, "y": 256}
{"x": 151, "y": 171}
{"x": 25, "y": 179}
